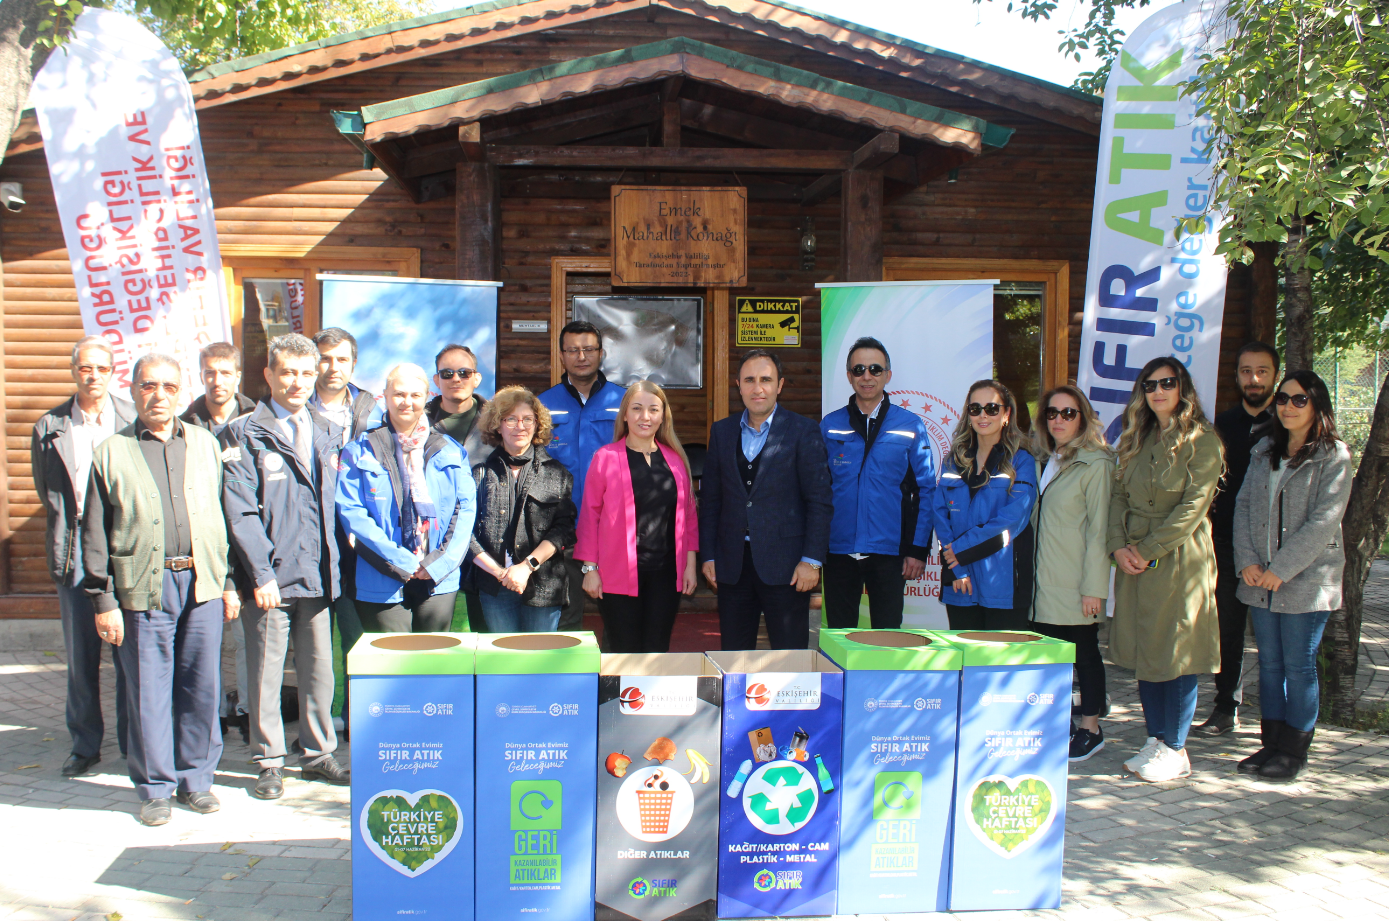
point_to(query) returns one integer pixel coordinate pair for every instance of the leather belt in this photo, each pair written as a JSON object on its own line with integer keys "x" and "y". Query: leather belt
{"x": 178, "y": 563}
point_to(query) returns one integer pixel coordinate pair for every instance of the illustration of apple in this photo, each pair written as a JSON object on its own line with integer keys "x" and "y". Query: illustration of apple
{"x": 757, "y": 693}
{"x": 632, "y": 699}
{"x": 617, "y": 764}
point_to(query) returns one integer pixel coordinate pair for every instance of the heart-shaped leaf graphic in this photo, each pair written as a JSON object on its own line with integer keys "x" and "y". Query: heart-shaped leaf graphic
{"x": 411, "y": 832}
{"x": 1009, "y": 815}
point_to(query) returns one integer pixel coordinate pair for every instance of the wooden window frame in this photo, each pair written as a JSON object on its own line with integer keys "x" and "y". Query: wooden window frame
{"x": 715, "y": 328}
{"x": 1055, "y": 275}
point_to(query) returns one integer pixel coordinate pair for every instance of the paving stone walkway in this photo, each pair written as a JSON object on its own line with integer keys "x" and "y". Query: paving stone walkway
{"x": 1211, "y": 847}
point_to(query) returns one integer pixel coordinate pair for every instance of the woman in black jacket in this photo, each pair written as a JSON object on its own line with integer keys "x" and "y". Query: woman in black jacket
{"x": 525, "y": 517}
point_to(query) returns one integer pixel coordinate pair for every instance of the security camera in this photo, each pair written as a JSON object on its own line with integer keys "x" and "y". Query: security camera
{"x": 12, "y": 196}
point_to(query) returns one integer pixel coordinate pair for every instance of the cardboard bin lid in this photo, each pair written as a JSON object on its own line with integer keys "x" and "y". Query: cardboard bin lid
{"x": 536, "y": 653}
{"x": 412, "y": 654}
{"x": 1009, "y": 647}
{"x": 751, "y": 661}
{"x": 905, "y": 650}
{"x": 658, "y": 664}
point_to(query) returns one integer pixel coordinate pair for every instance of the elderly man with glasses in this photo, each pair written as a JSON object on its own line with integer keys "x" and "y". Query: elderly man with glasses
{"x": 157, "y": 563}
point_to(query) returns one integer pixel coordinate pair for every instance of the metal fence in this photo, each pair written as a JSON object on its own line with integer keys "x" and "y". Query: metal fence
{"x": 1354, "y": 377}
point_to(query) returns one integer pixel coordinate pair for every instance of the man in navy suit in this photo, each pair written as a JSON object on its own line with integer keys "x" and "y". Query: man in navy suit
{"x": 764, "y": 512}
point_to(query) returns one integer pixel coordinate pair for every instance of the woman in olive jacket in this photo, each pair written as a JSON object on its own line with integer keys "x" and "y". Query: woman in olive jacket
{"x": 1290, "y": 558}
{"x": 1071, "y": 522}
{"x": 1165, "y": 628}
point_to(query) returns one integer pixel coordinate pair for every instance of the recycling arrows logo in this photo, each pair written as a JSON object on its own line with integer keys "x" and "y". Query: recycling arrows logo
{"x": 780, "y": 797}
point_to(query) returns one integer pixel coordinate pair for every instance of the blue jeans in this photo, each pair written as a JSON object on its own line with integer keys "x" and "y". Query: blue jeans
{"x": 505, "y": 612}
{"x": 1168, "y": 707}
{"x": 1288, "y": 665}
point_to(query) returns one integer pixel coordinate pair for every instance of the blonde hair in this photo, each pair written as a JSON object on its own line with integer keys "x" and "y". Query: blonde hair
{"x": 666, "y": 433}
{"x": 1091, "y": 434}
{"x": 965, "y": 441}
{"x": 489, "y": 426}
{"x": 406, "y": 369}
{"x": 1188, "y": 422}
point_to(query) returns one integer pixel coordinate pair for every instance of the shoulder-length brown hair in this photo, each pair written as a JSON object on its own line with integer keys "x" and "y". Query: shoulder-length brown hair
{"x": 501, "y": 405}
{"x": 1091, "y": 434}
{"x": 666, "y": 433}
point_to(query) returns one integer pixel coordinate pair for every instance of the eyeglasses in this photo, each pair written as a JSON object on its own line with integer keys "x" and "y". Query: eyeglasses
{"x": 512, "y": 422}
{"x": 149, "y": 387}
{"x": 1300, "y": 400}
{"x": 584, "y": 352}
{"x": 463, "y": 373}
{"x": 875, "y": 370}
{"x": 93, "y": 369}
{"x": 988, "y": 409}
{"x": 1166, "y": 383}
{"x": 1069, "y": 413}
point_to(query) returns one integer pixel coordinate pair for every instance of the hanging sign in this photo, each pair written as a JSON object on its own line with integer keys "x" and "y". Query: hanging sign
{"x": 680, "y": 236}
{"x": 769, "y": 321}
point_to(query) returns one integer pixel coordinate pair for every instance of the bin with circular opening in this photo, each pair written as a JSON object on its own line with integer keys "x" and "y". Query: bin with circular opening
{"x": 901, "y": 707}
{"x": 412, "y": 775}
{"x": 537, "y": 748}
{"x": 1010, "y": 789}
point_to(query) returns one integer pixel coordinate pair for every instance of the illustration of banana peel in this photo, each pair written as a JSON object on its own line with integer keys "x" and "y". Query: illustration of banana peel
{"x": 699, "y": 766}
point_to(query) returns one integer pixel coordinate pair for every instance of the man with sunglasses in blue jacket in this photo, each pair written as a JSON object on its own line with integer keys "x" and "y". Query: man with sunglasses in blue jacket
{"x": 883, "y": 477}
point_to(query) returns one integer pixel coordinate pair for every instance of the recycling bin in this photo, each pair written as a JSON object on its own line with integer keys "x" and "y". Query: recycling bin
{"x": 537, "y": 744}
{"x": 779, "y": 813}
{"x": 412, "y": 775}
{"x": 901, "y": 710}
{"x": 1012, "y": 760}
{"x": 658, "y": 787}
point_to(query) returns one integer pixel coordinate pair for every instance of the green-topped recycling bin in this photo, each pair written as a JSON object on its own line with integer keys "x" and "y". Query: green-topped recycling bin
{"x": 412, "y": 775}
{"x": 901, "y": 710}
{"x": 1010, "y": 789}
{"x": 537, "y": 750}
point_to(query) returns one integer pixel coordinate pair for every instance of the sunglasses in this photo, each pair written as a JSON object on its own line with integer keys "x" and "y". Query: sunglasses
{"x": 1069, "y": 413}
{"x": 988, "y": 409}
{"x": 1300, "y": 400}
{"x": 1167, "y": 383}
{"x": 149, "y": 387}
{"x": 463, "y": 373}
{"x": 875, "y": 370}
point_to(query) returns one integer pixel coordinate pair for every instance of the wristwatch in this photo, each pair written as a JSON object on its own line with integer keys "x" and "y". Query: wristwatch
{"x": 588, "y": 568}
{"x": 533, "y": 563}
{"x": 814, "y": 566}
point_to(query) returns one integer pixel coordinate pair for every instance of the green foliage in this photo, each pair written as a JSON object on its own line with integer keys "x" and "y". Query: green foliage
{"x": 1351, "y": 294}
{"x": 1098, "y": 34}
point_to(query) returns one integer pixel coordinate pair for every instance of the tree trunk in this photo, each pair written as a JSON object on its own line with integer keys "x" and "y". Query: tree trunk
{"x": 1297, "y": 302}
{"x": 20, "y": 59}
{"x": 1362, "y": 532}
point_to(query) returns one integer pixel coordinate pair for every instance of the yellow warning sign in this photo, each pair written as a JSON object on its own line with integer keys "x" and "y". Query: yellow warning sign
{"x": 769, "y": 321}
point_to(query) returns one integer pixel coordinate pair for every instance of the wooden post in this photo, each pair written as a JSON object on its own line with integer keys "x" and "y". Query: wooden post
{"x": 478, "y": 215}
{"x": 716, "y": 380}
{"x": 861, "y": 226}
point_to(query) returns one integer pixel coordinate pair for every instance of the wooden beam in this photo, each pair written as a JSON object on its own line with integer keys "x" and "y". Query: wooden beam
{"x": 670, "y": 123}
{"x": 716, "y": 381}
{"x": 876, "y": 152}
{"x": 755, "y": 130}
{"x": 515, "y": 129}
{"x": 861, "y": 226}
{"x": 590, "y": 126}
{"x": 470, "y": 140}
{"x": 680, "y": 158}
{"x": 390, "y": 161}
{"x": 478, "y": 218}
{"x": 821, "y": 189}
{"x": 597, "y": 187}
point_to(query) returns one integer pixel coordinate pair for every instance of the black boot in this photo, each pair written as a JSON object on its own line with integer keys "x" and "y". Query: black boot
{"x": 1291, "y": 756}
{"x": 1268, "y": 735}
{"x": 1221, "y": 721}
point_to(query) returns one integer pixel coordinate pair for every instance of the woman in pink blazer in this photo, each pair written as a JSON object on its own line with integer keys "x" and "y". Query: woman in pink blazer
{"x": 638, "y": 528}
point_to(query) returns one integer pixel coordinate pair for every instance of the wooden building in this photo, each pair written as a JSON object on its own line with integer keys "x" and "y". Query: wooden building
{"x": 483, "y": 144}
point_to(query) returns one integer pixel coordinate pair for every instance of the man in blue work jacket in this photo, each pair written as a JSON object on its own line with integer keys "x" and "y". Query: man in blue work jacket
{"x": 883, "y": 476}
{"x": 583, "y": 409}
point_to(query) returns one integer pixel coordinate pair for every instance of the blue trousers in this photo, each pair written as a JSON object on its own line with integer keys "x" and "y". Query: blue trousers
{"x": 1288, "y": 665}
{"x": 1168, "y": 708}
{"x": 505, "y": 612}
{"x": 84, "y": 650}
{"x": 173, "y": 668}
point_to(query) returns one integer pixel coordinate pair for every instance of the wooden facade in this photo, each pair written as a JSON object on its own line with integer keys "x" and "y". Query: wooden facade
{"x": 295, "y": 197}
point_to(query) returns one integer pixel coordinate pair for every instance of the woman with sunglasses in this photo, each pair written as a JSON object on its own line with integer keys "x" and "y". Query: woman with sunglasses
{"x": 983, "y": 511}
{"x": 1290, "y": 559}
{"x": 1165, "y": 625}
{"x": 1071, "y": 521}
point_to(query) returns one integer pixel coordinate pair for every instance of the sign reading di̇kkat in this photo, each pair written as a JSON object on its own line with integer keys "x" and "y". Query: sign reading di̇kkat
{"x": 769, "y": 321}
{"x": 680, "y": 236}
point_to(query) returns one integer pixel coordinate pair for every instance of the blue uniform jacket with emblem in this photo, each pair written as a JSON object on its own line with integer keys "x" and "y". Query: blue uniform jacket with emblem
{"x": 370, "y": 493}
{"x": 581, "y": 428}
{"x": 882, "y": 492}
{"x": 982, "y": 529}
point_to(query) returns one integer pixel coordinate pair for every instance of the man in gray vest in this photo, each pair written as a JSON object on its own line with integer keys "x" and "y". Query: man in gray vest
{"x": 61, "y": 459}
{"x": 157, "y": 564}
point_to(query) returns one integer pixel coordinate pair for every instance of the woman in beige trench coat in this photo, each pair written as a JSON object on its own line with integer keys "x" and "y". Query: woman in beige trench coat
{"x": 1165, "y": 626}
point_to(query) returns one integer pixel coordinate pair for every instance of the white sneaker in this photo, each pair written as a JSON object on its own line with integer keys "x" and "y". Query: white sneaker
{"x": 1166, "y": 764}
{"x": 1143, "y": 755}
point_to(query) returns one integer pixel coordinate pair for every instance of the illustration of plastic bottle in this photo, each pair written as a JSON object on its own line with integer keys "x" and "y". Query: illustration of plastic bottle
{"x": 826, "y": 783}
{"x": 735, "y": 786}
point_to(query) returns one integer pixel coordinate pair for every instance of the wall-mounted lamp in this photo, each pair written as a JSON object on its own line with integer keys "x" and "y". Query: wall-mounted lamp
{"x": 953, "y": 175}
{"x": 807, "y": 245}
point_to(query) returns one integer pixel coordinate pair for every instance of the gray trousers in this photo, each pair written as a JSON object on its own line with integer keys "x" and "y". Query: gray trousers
{"x": 267, "y": 644}
{"x": 84, "y": 650}
{"x": 172, "y": 659}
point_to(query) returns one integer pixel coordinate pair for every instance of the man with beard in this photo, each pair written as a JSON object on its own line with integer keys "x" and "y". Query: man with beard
{"x": 1256, "y": 366}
